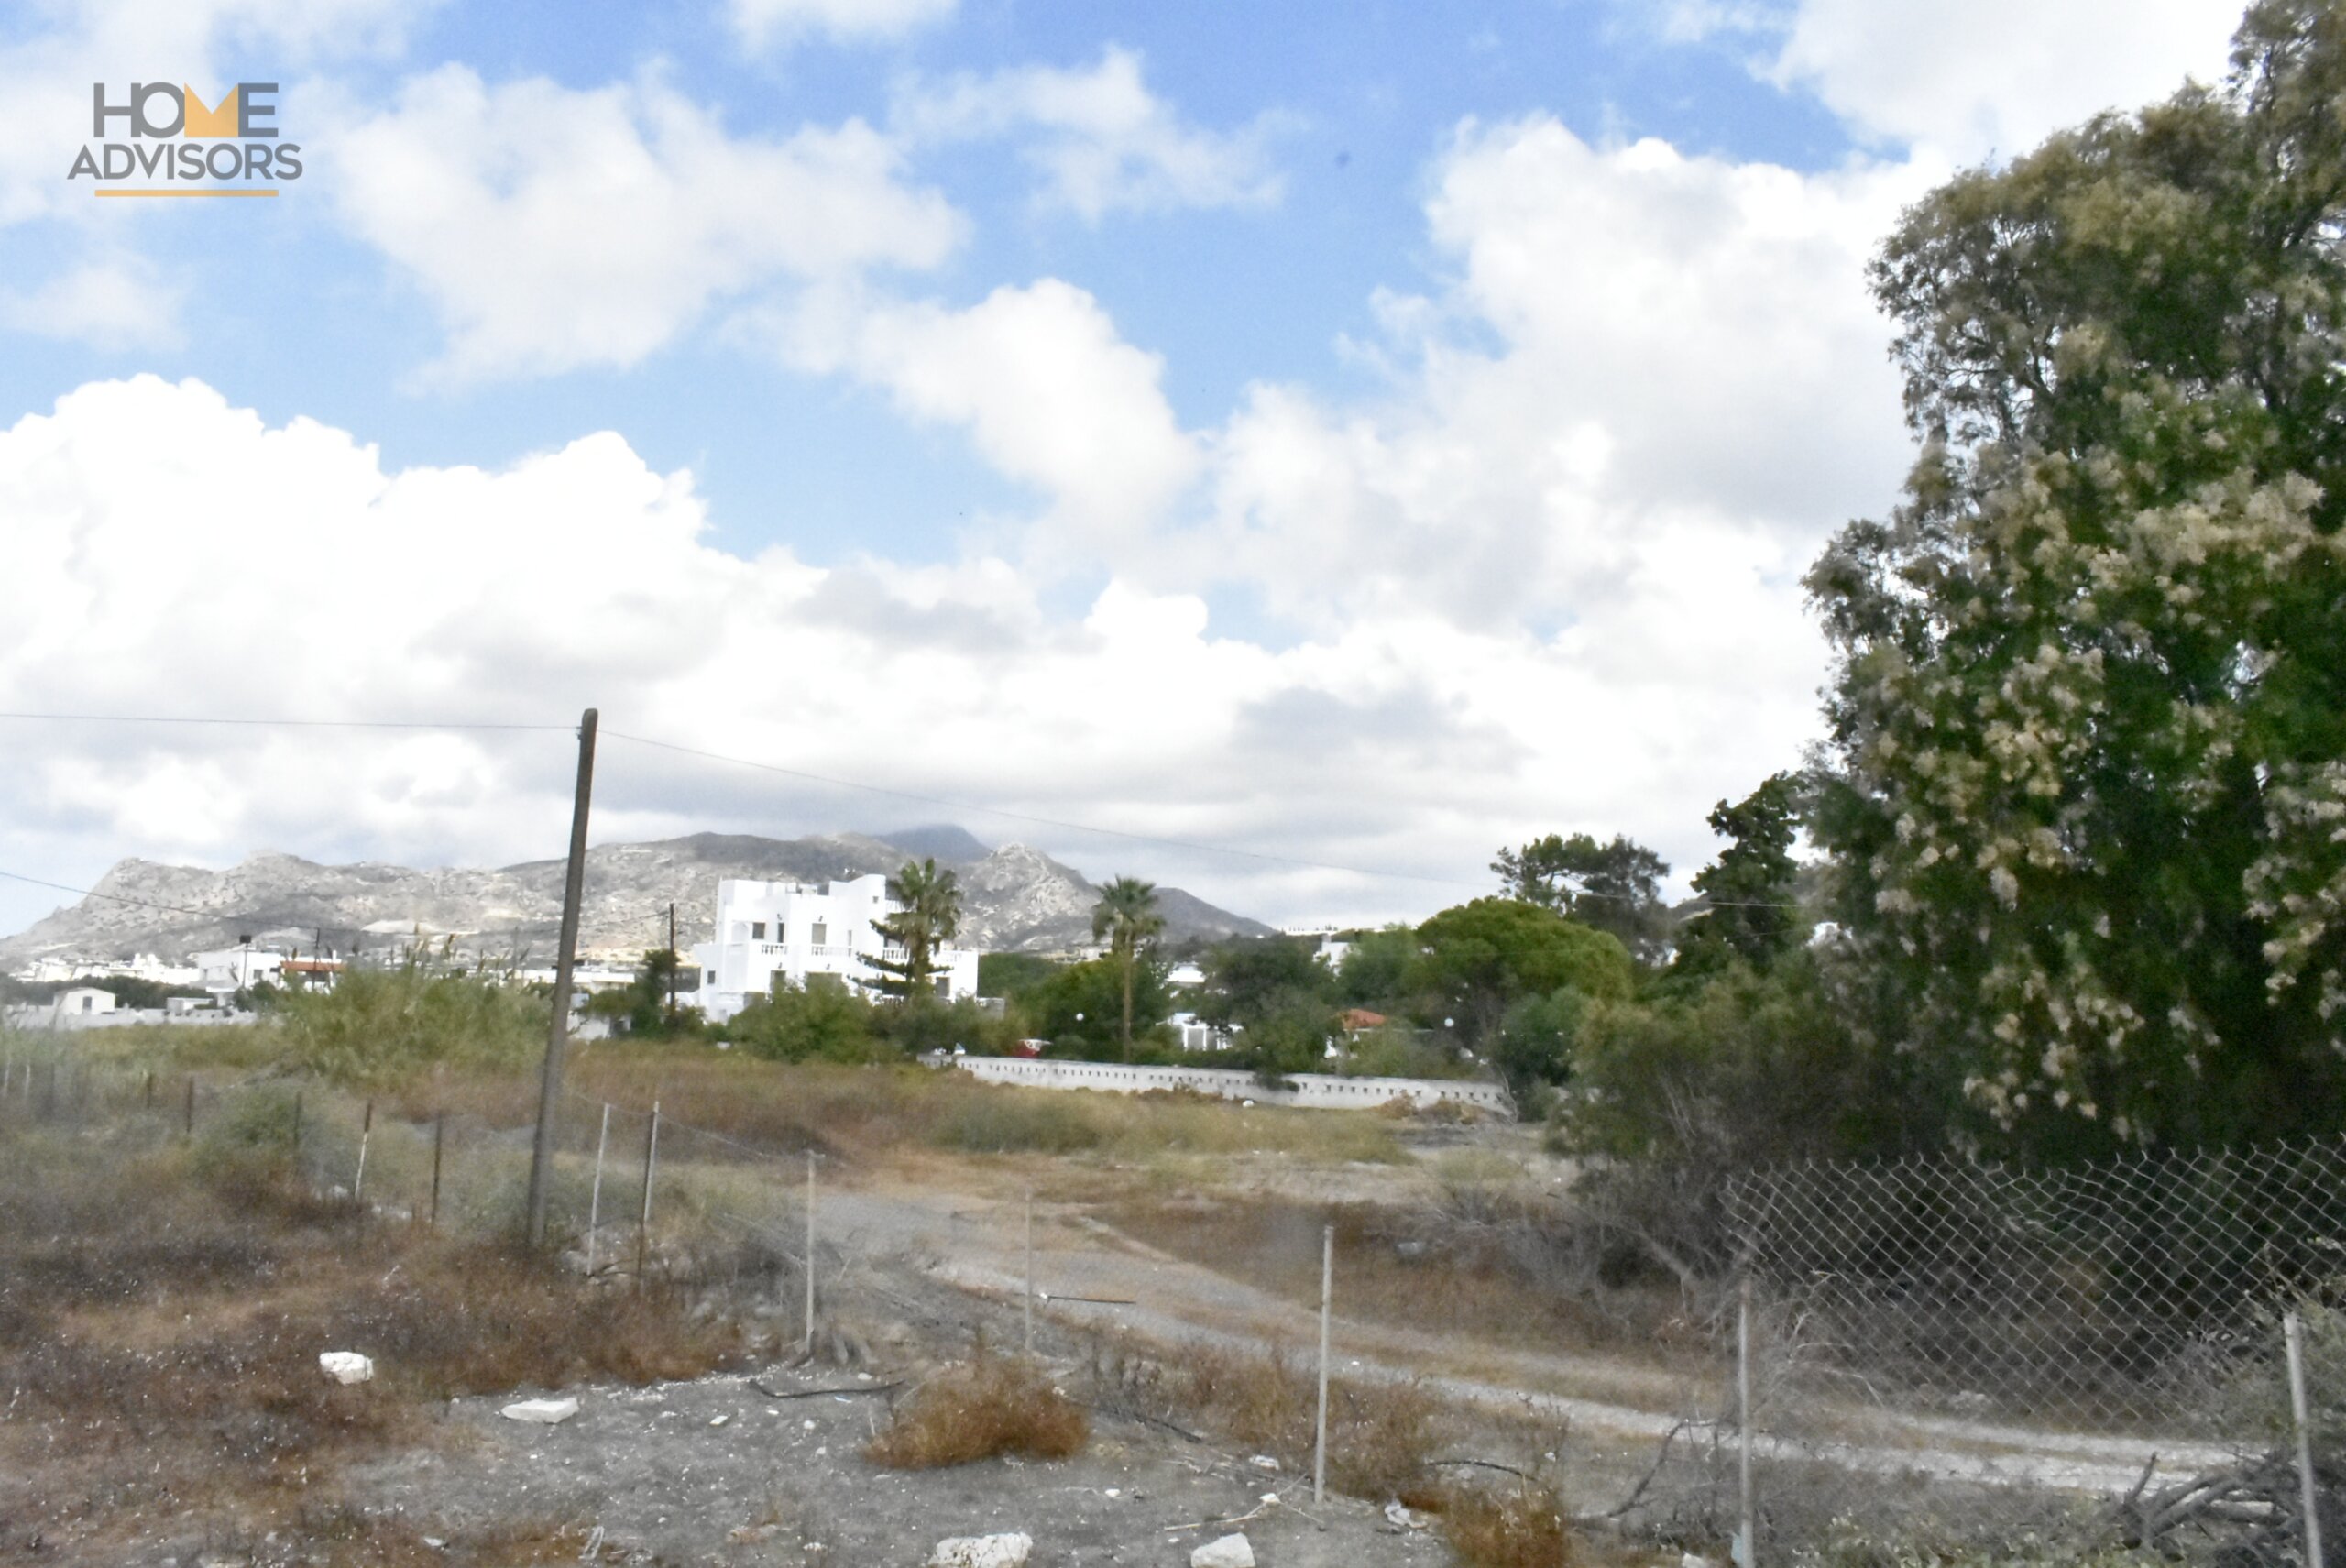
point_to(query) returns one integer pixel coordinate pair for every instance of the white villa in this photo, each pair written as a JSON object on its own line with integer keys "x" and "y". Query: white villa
{"x": 770, "y": 930}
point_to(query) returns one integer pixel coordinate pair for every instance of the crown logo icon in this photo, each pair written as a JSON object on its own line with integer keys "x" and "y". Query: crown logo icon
{"x": 203, "y": 122}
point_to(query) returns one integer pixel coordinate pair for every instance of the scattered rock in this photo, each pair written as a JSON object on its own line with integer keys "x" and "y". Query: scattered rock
{"x": 1398, "y": 1513}
{"x": 345, "y": 1365}
{"x": 981, "y": 1551}
{"x": 545, "y": 1412}
{"x": 1230, "y": 1552}
{"x": 1264, "y": 1462}
{"x": 1692, "y": 1559}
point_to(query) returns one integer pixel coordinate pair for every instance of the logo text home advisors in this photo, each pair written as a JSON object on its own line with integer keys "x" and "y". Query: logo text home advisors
{"x": 163, "y": 130}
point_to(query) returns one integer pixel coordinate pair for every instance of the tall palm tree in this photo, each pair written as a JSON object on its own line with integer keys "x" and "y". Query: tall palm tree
{"x": 927, "y": 915}
{"x": 1127, "y": 915}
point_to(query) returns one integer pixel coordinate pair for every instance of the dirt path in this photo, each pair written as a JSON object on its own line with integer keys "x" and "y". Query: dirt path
{"x": 1087, "y": 1275}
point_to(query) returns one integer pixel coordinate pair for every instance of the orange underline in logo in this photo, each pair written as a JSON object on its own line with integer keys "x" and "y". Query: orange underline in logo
{"x": 109, "y": 193}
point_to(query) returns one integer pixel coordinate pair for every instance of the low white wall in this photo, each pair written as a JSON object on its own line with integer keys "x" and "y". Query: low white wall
{"x": 1312, "y": 1089}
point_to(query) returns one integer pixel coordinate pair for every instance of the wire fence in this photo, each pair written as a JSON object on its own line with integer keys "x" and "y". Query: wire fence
{"x": 1980, "y": 1345}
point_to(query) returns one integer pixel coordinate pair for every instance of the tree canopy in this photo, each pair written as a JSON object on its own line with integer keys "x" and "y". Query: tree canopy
{"x": 1750, "y": 893}
{"x": 927, "y": 915}
{"x": 2088, "y": 729}
{"x": 1614, "y": 887}
{"x": 1480, "y": 958}
{"x": 1127, "y": 916}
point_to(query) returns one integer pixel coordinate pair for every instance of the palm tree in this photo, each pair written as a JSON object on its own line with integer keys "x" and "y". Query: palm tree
{"x": 929, "y": 914}
{"x": 1126, "y": 915}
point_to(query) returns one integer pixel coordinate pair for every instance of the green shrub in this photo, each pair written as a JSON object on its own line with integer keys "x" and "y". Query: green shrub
{"x": 821, "y": 1023}
{"x": 378, "y": 1026}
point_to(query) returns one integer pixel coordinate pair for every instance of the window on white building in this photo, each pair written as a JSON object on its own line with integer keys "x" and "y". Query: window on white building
{"x": 822, "y": 933}
{"x": 757, "y": 930}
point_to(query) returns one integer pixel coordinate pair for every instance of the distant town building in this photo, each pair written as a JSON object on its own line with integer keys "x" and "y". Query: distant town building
{"x": 785, "y": 930}
{"x": 231, "y": 969}
{"x": 1196, "y": 1036}
{"x": 82, "y": 1001}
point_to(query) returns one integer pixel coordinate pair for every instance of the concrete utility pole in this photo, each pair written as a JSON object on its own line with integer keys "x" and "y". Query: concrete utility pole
{"x": 574, "y": 888}
{"x": 672, "y": 965}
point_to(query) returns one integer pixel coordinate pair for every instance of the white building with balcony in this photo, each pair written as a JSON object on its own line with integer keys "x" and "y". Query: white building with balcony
{"x": 785, "y": 930}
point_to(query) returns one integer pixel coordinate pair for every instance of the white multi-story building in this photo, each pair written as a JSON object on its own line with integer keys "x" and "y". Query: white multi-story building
{"x": 786, "y": 931}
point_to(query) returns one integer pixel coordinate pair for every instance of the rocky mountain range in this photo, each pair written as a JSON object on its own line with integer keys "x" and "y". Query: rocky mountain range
{"x": 1014, "y": 899}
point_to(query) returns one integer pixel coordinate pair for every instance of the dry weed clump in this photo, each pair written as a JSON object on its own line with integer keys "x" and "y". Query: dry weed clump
{"x": 1517, "y": 1527}
{"x": 981, "y": 1410}
{"x": 1380, "y": 1434}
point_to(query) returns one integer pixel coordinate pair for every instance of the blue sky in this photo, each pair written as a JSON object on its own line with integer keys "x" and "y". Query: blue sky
{"x": 1364, "y": 434}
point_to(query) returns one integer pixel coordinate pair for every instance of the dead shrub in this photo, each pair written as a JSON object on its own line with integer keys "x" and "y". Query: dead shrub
{"x": 981, "y": 1410}
{"x": 1380, "y": 1434}
{"x": 1522, "y": 1527}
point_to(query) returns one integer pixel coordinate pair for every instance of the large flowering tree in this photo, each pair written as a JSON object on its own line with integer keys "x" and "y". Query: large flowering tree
{"x": 2087, "y": 733}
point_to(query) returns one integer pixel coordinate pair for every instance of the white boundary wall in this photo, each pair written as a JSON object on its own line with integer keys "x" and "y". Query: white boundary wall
{"x": 1312, "y": 1089}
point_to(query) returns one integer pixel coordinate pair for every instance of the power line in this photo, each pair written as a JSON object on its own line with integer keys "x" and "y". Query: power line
{"x": 280, "y": 723}
{"x": 113, "y": 897}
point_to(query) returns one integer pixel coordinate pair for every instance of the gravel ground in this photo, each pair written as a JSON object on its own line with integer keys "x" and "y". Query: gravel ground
{"x": 717, "y": 1471}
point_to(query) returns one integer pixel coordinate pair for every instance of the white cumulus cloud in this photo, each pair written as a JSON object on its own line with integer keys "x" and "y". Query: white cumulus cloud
{"x": 172, "y": 552}
{"x": 1049, "y": 392}
{"x": 554, "y": 227}
{"x": 1967, "y": 82}
{"x": 1099, "y": 139}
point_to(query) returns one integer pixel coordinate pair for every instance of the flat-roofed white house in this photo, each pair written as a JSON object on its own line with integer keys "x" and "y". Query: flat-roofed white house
{"x": 231, "y": 969}
{"x": 770, "y": 930}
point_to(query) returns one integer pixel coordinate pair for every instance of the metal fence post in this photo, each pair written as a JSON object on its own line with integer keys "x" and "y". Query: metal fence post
{"x": 439, "y": 1138}
{"x": 1326, "y": 1295}
{"x": 2292, "y": 1335}
{"x": 189, "y": 1122}
{"x": 595, "y": 1195}
{"x": 1747, "y": 1544}
{"x": 366, "y": 1132}
{"x": 810, "y": 1252}
{"x": 1030, "y": 1271}
{"x": 643, "y": 1220}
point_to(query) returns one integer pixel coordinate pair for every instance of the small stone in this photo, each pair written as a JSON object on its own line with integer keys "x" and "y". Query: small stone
{"x": 544, "y": 1412}
{"x": 1230, "y": 1552}
{"x": 719, "y": 1421}
{"x": 345, "y": 1365}
{"x": 1264, "y": 1462}
{"x": 981, "y": 1551}
{"x": 1398, "y": 1513}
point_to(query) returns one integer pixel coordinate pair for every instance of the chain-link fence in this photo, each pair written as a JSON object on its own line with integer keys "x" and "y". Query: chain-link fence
{"x": 1988, "y": 1349}
{"x": 2111, "y": 1329}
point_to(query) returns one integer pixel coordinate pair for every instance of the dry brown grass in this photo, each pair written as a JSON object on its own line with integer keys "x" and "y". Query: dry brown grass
{"x": 161, "y": 1314}
{"x": 1517, "y": 1276}
{"x": 981, "y": 1410}
{"x": 1517, "y": 1527}
{"x": 871, "y": 1111}
{"x": 1380, "y": 1434}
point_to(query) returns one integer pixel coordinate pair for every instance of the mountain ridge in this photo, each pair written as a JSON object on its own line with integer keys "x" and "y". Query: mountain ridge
{"x": 1015, "y": 898}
